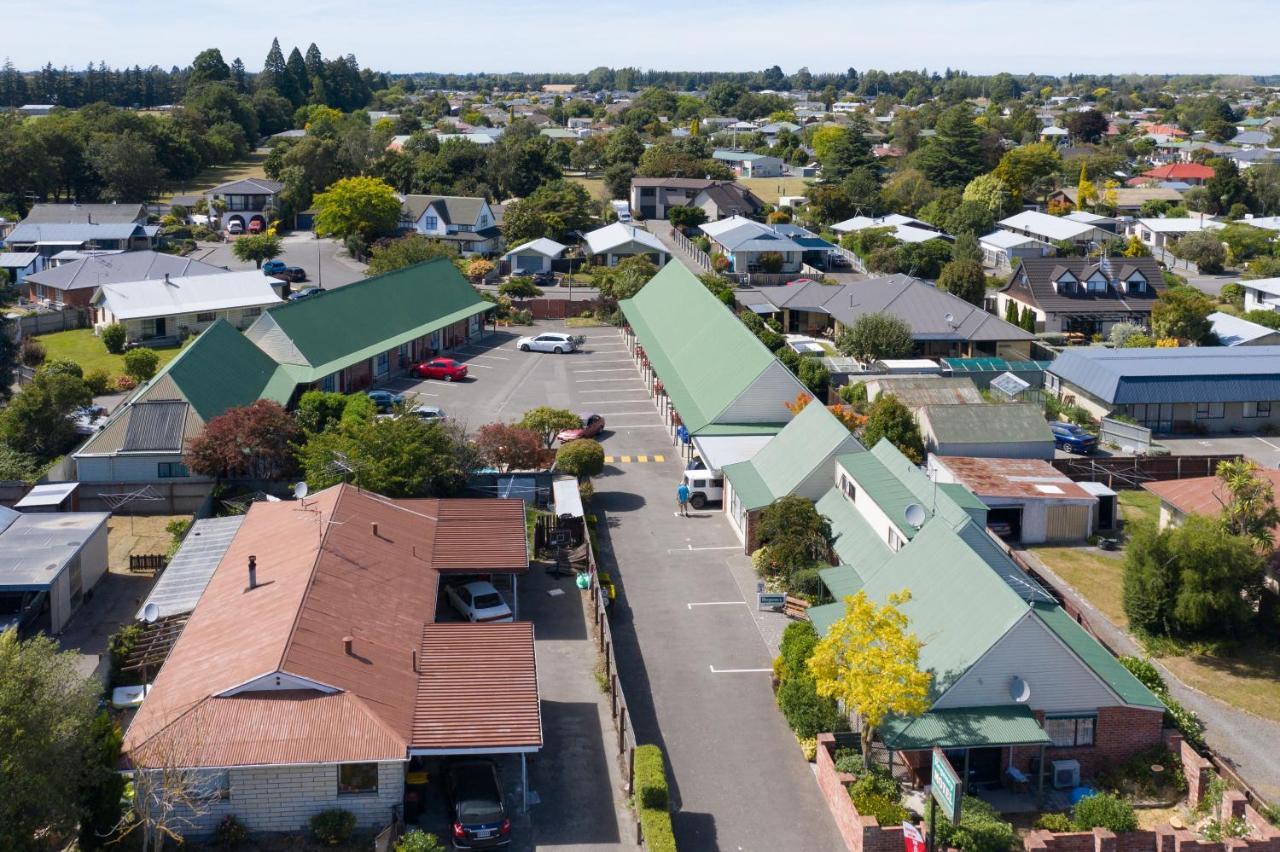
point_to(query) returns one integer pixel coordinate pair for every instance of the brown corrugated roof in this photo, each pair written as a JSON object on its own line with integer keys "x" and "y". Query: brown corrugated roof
{"x": 1013, "y": 478}
{"x": 478, "y": 688}
{"x": 1204, "y": 495}
{"x": 323, "y": 574}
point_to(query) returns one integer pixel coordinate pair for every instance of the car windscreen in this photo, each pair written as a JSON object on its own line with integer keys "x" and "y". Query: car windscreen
{"x": 487, "y": 601}
{"x": 478, "y": 809}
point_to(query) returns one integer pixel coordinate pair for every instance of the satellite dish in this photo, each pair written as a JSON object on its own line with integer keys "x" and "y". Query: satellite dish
{"x": 301, "y": 490}
{"x": 1019, "y": 689}
{"x": 150, "y": 613}
{"x": 915, "y": 515}
{"x": 950, "y": 318}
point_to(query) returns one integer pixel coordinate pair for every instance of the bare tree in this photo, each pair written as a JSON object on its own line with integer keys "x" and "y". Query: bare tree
{"x": 166, "y": 798}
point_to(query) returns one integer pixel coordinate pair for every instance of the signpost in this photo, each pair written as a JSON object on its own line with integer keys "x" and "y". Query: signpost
{"x": 946, "y": 791}
{"x": 770, "y": 601}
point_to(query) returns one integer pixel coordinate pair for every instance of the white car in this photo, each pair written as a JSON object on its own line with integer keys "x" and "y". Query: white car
{"x": 429, "y": 413}
{"x": 479, "y": 601}
{"x": 549, "y": 342}
{"x": 235, "y": 227}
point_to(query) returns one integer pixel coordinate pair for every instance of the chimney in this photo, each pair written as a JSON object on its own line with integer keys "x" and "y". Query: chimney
{"x": 346, "y": 644}
{"x": 167, "y": 282}
{"x": 374, "y": 526}
{"x": 414, "y": 659}
{"x": 253, "y": 572}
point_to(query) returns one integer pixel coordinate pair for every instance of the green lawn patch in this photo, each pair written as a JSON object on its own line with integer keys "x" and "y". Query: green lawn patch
{"x": 84, "y": 348}
{"x": 1139, "y": 506}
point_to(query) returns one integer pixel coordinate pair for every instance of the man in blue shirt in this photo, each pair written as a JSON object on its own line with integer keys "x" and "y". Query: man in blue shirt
{"x": 682, "y": 499}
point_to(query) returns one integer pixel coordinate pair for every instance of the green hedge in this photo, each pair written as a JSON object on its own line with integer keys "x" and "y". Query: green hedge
{"x": 653, "y": 802}
{"x": 651, "y": 778}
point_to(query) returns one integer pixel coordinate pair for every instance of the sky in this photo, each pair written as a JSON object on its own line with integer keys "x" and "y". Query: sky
{"x": 980, "y": 36}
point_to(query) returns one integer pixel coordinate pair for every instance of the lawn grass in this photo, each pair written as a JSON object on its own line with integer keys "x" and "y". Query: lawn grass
{"x": 81, "y": 346}
{"x": 137, "y": 536}
{"x": 249, "y": 167}
{"x": 1139, "y": 506}
{"x": 769, "y": 190}
{"x": 1092, "y": 573}
{"x": 594, "y": 187}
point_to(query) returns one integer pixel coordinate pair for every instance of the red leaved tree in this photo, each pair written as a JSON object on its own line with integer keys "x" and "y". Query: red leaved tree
{"x": 510, "y": 447}
{"x": 252, "y": 442}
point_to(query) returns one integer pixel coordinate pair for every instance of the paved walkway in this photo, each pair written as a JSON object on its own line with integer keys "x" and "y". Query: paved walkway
{"x": 1246, "y": 741}
{"x": 661, "y": 229}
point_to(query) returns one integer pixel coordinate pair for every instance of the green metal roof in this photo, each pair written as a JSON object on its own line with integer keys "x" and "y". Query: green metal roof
{"x": 856, "y": 543}
{"x": 727, "y": 429}
{"x": 994, "y": 423}
{"x": 842, "y": 581}
{"x": 971, "y": 727}
{"x": 704, "y": 355}
{"x": 790, "y": 458}
{"x": 1097, "y": 658}
{"x": 223, "y": 369}
{"x": 822, "y": 617}
{"x": 748, "y": 486}
{"x": 343, "y": 326}
{"x": 885, "y": 489}
{"x": 966, "y": 500}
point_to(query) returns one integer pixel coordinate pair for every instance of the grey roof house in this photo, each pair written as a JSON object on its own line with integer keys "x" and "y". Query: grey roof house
{"x": 1191, "y": 390}
{"x": 1015, "y": 430}
{"x": 54, "y": 238}
{"x": 467, "y": 222}
{"x": 86, "y": 214}
{"x": 942, "y": 324}
{"x": 1081, "y": 295}
{"x": 73, "y": 283}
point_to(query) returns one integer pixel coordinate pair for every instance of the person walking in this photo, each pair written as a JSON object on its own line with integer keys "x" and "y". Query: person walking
{"x": 682, "y": 499}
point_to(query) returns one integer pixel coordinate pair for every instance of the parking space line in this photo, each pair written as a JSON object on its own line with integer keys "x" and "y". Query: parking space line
{"x": 715, "y": 670}
{"x": 608, "y": 381}
{"x": 716, "y": 603}
{"x": 613, "y": 361}
{"x": 692, "y": 549}
{"x": 1268, "y": 443}
{"x": 483, "y": 355}
{"x": 481, "y": 366}
{"x": 611, "y": 370}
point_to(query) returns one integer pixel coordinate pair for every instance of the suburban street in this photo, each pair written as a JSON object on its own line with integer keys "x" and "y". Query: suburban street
{"x": 694, "y": 656}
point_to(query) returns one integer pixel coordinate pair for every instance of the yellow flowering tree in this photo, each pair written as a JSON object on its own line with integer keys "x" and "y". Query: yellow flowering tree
{"x": 870, "y": 662}
{"x": 1086, "y": 192}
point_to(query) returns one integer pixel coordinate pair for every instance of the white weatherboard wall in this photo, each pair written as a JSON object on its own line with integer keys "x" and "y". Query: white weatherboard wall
{"x": 763, "y": 400}
{"x": 284, "y": 798}
{"x": 871, "y": 511}
{"x": 1059, "y": 681}
{"x": 129, "y": 468}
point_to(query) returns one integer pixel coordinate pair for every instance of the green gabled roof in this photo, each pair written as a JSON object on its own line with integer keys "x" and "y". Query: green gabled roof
{"x": 842, "y": 581}
{"x": 972, "y": 727}
{"x": 856, "y": 544}
{"x": 966, "y": 500}
{"x": 885, "y": 489}
{"x": 223, "y": 369}
{"x": 703, "y": 354}
{"x": 1096, "y": 657}
{"x": 786, "y": 461}
{"x": 732, "y": 429}
{"x": 998, "y": 423}
{"x": 822, "y": 617}
{"x": 341, "y": 327}
{"x": 959, "y": 606}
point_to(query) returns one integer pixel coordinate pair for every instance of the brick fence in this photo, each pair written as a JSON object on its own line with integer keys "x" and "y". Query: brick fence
{"x": 865, "y": 834}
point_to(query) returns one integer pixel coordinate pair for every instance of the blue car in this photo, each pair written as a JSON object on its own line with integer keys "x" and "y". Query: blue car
{"x": 384, "y": 401}
{"x": 1073, "y": 439}
{"x": 272, "y": 267}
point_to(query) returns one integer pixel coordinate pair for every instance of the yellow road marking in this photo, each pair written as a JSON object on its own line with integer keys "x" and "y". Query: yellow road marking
{"x": 642, "y": 459}
{"x": 659, "y": 458}
{"x": 626, "y": 459}
{"x": 608, "y": 459}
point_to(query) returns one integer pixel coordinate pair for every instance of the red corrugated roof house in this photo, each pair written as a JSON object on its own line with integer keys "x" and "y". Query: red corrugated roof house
{"x": 309, "y": 681}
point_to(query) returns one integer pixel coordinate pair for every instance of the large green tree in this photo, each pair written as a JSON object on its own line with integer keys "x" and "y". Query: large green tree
{"x": 47, "y": 709}
{"x": 873, "y": 337}
{"x": 1183, "y": 313}
{"x": 964, "y": 278}
{"x": 406, "y": 251}
{"x": 357, "y": 206}
{"x": 37, "y": 419}
{"x": 954, "y": 156}
{"x": 890, "y": 420}
{"x": 257, "y": 248}
{"x": 394, "y": 456}
{"x": 552, "y": 210}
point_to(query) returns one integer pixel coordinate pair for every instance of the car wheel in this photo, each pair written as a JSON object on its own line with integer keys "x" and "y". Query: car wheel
{"x": 448, "y": 378}
{"x": 559, "y": 350}
{"x": 524, "y": 347}
{"x": 697, "y": 501}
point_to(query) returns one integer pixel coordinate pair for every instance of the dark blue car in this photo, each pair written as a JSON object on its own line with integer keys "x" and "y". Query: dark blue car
{"x": 384, "y": 401}
{"x": 1073, "y": 439}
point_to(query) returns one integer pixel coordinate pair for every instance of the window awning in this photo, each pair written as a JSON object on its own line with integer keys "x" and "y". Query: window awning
{"x": 969, "y": 727}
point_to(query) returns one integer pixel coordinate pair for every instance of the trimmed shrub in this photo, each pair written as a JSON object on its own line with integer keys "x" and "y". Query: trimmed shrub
{"x": 230, "y": 832}
{"x": 141, "y": 363}
{"x": 1103, "y": 810}
{"x": 113, "y": 337}
{"x": 33, "y": 352}
{"x": 849, "y": 760}
{"x": 798, "y": 641}
{"x": 419, "y": 841}
{"x": 887, "y": 812}
{"x": 582, "y": 458}
{"x": 805, "y": 582}
{"x": 980, "y": 829}
{"x": 808, "y": 713}
{"x": 333, "y": 826}
{"x": 98, "y": 380}
{"x": 1056, "y": 821}
{"x": 651, "y": 778}
{"x": 124, "y": 382}
{"x": 658, "y": 833}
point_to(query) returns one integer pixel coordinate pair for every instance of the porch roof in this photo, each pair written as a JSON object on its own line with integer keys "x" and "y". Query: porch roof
{"x": 969, "y": 727}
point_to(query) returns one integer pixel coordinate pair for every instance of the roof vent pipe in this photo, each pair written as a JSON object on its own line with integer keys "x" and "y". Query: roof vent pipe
{"x": 346, "y": 644}
{"x": 253, "y": 572}
{"x": 414, "y": 659}
{"x": 374, "y": 526}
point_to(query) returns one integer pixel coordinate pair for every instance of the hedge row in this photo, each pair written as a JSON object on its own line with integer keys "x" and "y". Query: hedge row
{"x": 653, "y": 801}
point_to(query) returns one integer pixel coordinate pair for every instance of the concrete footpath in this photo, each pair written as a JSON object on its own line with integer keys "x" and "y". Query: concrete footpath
{"x": 1246, "y": 741}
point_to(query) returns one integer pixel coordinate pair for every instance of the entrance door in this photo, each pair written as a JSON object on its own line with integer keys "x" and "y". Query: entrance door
{"x": 984, "y": 765}
{"x": 160, "y": 327}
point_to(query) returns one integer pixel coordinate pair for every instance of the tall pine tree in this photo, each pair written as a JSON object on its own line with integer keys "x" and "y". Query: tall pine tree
{"x": 273, "y": 70}
{"x": 299, "y": 81}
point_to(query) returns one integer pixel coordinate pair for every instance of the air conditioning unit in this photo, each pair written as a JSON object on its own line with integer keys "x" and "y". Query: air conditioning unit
{"x": 1066, "y": 773}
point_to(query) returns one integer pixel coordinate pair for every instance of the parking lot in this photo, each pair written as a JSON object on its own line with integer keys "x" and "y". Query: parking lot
{"x": 694, "y": 655}
{"x": 325, "y": 261}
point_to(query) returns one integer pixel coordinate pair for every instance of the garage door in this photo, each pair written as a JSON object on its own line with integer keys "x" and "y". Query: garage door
{"x": 1006, "y": 522}
{"x": 528, "y": 263}
{"x": 1066, "y": 523}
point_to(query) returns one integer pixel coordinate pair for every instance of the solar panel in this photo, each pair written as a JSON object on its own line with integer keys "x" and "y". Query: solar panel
{"x": 156, "y": 426}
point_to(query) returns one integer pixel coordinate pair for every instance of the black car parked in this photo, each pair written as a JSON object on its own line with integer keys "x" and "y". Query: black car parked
{"x": 479, "y": 818}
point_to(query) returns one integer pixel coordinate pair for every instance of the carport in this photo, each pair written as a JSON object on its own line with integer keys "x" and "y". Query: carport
{"x": 477, "y": 694}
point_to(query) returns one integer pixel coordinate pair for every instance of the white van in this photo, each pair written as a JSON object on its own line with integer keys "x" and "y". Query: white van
{"x": 622, "y": 209}
{"x": 705, "y": 486}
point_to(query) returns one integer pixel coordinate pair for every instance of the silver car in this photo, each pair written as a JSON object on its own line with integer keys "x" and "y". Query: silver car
{"x": 551, "y": 341}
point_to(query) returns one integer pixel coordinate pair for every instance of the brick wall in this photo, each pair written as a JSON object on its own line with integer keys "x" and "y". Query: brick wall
{"x": 861, "y": 834}
{"x": 1119, "y": 733}
{"x": 284, "y": 798}
{"x": 1197, "y": 770}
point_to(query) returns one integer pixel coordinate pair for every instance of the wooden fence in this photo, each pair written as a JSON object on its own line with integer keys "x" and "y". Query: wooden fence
{"x": 1119, "y": 472}
{"x": 698, "y": 255}
{"x": 144, "y": 562}
{"x": 48, "y": 322}
{"x": 556, "y": 308}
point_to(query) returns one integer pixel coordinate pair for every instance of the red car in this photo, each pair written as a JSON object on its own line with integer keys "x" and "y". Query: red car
{"x": 440, "y": 368}
{"x": 592, "y": 425}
